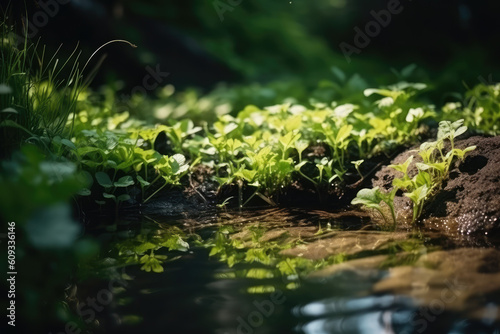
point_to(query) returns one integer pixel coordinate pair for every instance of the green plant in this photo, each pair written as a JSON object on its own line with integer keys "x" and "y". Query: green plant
{"x": 35, "y": 104}
{"x": 431, "y": 172}
{"x": 480, "y": 108}
{"x": 371, "y": 198}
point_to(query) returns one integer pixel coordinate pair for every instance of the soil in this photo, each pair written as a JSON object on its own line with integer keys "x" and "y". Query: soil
{"x": 469, "y": 200}
{"x": 467, "y": 204}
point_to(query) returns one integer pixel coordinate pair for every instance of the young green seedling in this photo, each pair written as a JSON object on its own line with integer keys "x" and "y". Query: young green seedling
{"x": 371, "y": 198}
{"x": 356, "y": 164}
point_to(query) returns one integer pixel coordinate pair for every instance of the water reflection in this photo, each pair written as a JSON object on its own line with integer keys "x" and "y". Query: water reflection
{"x": 271, "y": 276}
{"x": 366, "y": 315}
{"x": 388, "y": 314}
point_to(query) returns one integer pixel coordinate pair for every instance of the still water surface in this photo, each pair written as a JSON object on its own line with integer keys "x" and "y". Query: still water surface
{"x": 382, "y": 282}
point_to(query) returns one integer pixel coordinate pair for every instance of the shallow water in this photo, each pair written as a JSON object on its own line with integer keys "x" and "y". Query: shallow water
{"x": 382, "y": 282}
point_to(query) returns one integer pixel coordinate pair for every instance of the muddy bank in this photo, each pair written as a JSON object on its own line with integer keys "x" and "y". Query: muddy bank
{"x": 469, "y": 201}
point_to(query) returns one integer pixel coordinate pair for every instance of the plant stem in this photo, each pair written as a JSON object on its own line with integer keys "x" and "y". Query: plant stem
{"x": 163, "y": 186}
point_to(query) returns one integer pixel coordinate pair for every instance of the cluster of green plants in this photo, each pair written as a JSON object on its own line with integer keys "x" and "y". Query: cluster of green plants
{"x": 480, "y": 109}
{"x": 171, "y": 104}
{"x": 431, "y": 173}
{"x": 118, "y": 154}
{"x": 259, "y": 150}
{"x": 265, "y": 148}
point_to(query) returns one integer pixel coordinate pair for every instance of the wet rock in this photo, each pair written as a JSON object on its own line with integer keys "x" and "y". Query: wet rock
{"x": 460, "y": 279}
{"x": 363, "y": 265}
{"x": 463, "y": 280}
{"x": 469, "y": 200}
{"x": 347, "y": 243}
{"x": 176, "y": 203}
{"x": 471, "y": 196}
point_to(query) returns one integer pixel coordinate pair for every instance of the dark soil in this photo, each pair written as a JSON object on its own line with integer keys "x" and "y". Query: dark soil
{"x": 468, "y": 203}
{"x": 469, "y": 199}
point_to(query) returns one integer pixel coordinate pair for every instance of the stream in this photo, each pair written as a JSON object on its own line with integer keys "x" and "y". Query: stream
{"x": 289, "y": 271}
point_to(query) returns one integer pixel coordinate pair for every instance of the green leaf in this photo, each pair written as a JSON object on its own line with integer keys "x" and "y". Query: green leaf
{"x": 157, "y": 267}
{"x": 175, "y": 242}
{"x": 418, "y": 195}
{"x": 245, "y": 174}
{"x": 368, "y": 197}
{"x": 68, "y": 143}
{"x": 123, "y": 198}
{"x": 402, "y": 183}
{"x": 124, "y": 181}
{"x": 357, "y": 163}
{"x": 459, "y": 131}
{"x": 143, "y": 247}
{"x": 86, "y": 150}
{"x": 289, "y": 139}
{"x": 338, "y": 73}
{"x": 300, "y": 165}
{"x": 84, "y": 192}
{"x": 143, "y": 182}
{"x": 10, "y": 111}
{"x": 423, "y": 178}
{"x": 404, "y": 166}
{"x": 103, "y": 179}
{"x": 180, "y": 159}
{"x": 5, "y": 90}
{"x": 441, "y": 166}
{"x": 109, "y": 196}
{"x": 343, "y": 133}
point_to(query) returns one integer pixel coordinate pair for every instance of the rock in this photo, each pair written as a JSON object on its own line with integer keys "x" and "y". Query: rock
{"x": 462, "y": 279}
{"x": 471, "y": 196}
{"x": 347, "y": 243}
{"x": 367, "y": 265}
{"x": 469, "y": 200}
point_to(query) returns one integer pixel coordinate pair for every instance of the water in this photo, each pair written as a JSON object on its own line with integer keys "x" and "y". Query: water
{"x": 349, "y": 278}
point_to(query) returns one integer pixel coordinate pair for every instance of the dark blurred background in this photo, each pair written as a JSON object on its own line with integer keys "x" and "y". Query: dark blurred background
{"x": 204, "y": 42}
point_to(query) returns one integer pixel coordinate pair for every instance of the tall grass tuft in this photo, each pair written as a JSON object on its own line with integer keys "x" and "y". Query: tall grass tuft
{"x": 38, "y": 93}
{"x": 36, "y": 98}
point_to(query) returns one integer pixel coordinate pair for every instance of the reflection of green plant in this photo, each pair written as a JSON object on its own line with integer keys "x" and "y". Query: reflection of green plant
{"x": 249, "y": 247}
{"x": 142, "y": 249}
{"x": 406, "y": 253}
{"x": 152, "y": 262}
